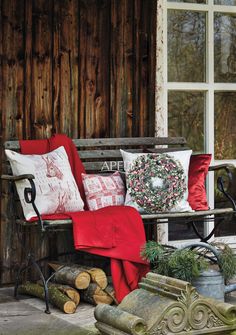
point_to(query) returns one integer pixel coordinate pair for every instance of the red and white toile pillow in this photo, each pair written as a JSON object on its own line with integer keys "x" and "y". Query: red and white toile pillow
{"x": 56, "y": 188}
{"x": 102, "y": 191}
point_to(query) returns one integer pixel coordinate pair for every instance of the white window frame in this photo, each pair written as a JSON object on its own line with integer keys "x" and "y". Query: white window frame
{"x": 209, "y": 87}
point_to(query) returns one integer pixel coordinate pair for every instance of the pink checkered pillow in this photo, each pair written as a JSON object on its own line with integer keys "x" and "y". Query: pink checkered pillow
{"x": 102, "y": 191}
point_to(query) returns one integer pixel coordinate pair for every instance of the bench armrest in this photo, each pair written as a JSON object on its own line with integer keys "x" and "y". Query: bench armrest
{"x": 17, "y": 178}
{"x": 225, "y": 166}
{"x": 222, "y": 181}
{"x": 29, "y": 192}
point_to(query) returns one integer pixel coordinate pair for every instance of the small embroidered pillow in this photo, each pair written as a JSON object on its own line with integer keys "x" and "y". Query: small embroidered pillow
{"x": 102, "y": 191}
{"x": 56, "y": 188}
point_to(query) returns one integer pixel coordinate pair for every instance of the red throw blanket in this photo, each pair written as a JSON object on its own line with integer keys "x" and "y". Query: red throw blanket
{"x": 116, "y": 231}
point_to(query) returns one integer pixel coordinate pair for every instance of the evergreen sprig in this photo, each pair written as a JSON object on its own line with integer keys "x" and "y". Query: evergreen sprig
{"x": 227, "y": 262}
{"x": 185, "y": 264}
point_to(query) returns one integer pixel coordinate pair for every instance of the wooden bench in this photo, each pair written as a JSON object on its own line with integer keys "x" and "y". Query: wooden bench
{"x": 103, "y": 155}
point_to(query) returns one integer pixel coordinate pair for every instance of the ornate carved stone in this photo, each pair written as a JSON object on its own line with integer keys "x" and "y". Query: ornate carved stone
{"x": 165, "y": 306}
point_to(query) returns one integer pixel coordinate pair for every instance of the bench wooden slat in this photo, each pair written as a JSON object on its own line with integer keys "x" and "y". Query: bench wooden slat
{"x": 157, "y": 216}
{"x": 109, "y": 153}
{"x": 123, "y": 141}
{"x": 12, "y": 145}
{"x": 103, "y": 154}
{"x": 129, "y": 141}
{"x": 195, "y": 214}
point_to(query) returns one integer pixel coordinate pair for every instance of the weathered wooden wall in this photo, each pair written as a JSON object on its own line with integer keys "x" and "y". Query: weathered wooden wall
{"x": 81, "y": 67}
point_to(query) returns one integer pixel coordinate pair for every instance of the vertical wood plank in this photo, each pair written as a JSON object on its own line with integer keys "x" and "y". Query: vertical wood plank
{"x": 129, "y": 63}
{"x": 12, "y": 67}
{"x": 74, "y": 67}
{"x": 56, "y": 68}
{"x": 1, "y": 127}
{"x": 82, "y": 67}
{"x": 150, "y": 125}
{"x": 12, "y": 118}
{"x": 28, "y": 134}
{"x": 143, "y": 74}
{"x": 41, "y": 68}
{"x": 137, "y": 67}
{"x": 65, "y": 67}
{"x": 102, "y": 97}
{"x": 94, "y": 68}
{"x": 143, "y": 64}
{"x": 121, "y": 67}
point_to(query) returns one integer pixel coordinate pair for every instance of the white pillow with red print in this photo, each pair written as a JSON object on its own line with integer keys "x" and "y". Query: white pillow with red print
{"x": 102, "y": 191}
{"x": 56, "y": 188}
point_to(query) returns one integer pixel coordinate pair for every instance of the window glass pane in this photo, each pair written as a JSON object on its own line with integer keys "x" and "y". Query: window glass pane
{"x": 186, "y": 117}
{"x": 186, "y": 46}
{"x": 225, "y": 47}
{"x": 189, "y": 1}
{"x": 225, "y": 125}
{"x": 183, "y": 231}
{"x": 225, "y": 2}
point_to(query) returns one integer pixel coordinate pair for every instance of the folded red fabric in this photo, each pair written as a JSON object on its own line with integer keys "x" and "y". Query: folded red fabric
{"x": 116, "y": 232}
{"x": 198, "y": 170}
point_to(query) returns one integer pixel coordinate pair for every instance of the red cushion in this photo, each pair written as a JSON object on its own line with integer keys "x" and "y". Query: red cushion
{"x": 198, "y": 169}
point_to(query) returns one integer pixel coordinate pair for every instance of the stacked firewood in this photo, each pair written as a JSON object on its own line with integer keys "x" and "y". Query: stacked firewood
{"x": 72, "y": 284}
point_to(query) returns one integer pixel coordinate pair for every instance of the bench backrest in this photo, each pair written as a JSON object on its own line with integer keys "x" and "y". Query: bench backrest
{"x": 103, "y": 154}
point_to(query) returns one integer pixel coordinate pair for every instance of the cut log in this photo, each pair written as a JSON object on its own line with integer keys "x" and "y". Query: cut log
{"x": 109, "y": 290}
{"x": 71, "y": 275}
{"x": 69, "y": 291}
{"x": 95, "y": 295}
{"x": 98, "y": 276}
{"x": 56, "y": 297}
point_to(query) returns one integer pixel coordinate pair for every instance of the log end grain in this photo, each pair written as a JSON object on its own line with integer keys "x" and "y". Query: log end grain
{"x": 69, "y": 307}
{"x": 82, "y": 281}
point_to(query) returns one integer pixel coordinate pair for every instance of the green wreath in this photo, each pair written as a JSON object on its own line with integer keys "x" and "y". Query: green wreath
{"x": 156, "y": 182}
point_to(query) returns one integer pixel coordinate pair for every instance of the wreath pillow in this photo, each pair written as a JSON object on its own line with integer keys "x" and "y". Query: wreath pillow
{"x": 157, "y": 182}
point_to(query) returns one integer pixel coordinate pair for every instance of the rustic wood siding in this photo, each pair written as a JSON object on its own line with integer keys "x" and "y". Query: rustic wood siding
{"x": 81, "y": 67}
